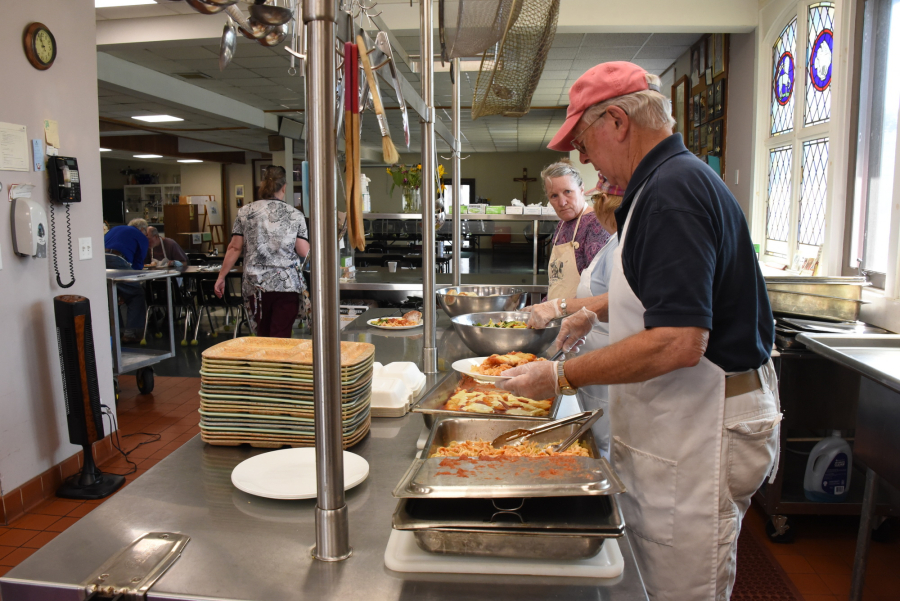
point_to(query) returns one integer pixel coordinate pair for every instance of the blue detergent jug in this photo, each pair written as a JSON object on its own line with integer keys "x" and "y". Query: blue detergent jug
{"x": 828, "y": 470}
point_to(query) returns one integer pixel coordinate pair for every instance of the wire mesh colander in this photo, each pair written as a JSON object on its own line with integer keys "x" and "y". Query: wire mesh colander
{"x": 509, "y": 76}
{"x": 469, "y": 27}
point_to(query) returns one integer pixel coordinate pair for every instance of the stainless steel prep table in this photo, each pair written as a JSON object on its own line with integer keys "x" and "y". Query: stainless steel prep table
{"x": 877, "y": 357}
{"x": 245, "y": 547}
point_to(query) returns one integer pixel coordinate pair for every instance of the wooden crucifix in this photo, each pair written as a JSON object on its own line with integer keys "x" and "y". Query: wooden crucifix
{"x": 525, "y": 179}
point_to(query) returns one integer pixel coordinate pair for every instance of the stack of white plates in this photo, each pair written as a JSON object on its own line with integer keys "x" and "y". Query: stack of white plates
{"x": 260, "y": 391}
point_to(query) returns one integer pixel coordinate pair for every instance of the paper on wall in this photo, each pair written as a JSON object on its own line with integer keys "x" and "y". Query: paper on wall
{"x": 37, "y": 146}
{"x": 20, "y": 191}
{"x": 51, "y": 132}
{"x": 13, "y": 147}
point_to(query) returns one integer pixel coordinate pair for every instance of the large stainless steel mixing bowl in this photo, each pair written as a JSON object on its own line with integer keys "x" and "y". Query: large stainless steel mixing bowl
{"x": 489, "y": 298}
{"x": 487, "y": 341}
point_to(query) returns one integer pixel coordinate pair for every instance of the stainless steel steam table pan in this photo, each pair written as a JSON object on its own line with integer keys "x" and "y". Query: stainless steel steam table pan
{"x": 430, "y": 405}
{"x": 505, "y": 477}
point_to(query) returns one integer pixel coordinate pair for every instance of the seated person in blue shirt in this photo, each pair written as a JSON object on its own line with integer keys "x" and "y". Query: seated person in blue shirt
{"x": 125, "y": 247}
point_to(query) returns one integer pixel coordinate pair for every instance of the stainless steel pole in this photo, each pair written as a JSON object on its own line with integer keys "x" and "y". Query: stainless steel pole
{"x": 534, "y": 265}
{"x": 332, "y": 528}
{"x": 864, "y": 537}
{"x": 429, "y": 352}
{"x": 457, "y": 220}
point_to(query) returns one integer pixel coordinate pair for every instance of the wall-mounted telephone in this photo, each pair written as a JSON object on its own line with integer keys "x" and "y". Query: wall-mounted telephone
{"x": 65, "y": 188}
{"x": 29, "y": 229}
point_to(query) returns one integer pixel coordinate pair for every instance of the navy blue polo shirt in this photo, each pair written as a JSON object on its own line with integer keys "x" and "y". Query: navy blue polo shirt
{"x": 689, "y": 257}
{"x": 129, "y": 241}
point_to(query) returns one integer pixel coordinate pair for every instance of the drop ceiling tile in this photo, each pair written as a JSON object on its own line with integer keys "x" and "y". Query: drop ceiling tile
{"x": 568, "y": 40}
{"x": 673, "y": 39}
{"x": 667, "y": 52}
{"x": 606, "y": 40}
{"x": 260, "y": 62}
{"x": 562, "y": 53}
{"x": 602, "y": 55}
{"x": 185, "y": 53}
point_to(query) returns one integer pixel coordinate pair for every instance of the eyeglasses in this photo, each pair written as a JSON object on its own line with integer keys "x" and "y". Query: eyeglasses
{"x": 576, "y": 141}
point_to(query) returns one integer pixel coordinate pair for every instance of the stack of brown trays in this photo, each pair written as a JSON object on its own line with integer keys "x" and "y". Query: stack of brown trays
{"x": 259, "y": 391}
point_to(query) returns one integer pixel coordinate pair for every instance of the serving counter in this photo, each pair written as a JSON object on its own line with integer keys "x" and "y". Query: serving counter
{"x": 246, "y": 547}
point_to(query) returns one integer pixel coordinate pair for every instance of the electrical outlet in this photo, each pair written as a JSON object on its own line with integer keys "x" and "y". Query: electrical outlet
{"x": 85, "y": 251}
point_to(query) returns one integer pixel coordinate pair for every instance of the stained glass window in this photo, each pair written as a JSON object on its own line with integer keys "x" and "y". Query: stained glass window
{"x": 819, "y": 50}
{"x": 778, "y": 211}
{"x": 783, "y": 74}
{"x": 813, "y": 186}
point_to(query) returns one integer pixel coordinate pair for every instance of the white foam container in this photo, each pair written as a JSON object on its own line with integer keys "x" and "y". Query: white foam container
{"x": 390, "y": 397}
{"x": 406, "y": 371}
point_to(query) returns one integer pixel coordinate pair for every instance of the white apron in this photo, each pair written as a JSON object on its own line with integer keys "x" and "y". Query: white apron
{"x": 562, "y": 271}
{"x": 595, "y": 396}
{"x": 690, "y": 459}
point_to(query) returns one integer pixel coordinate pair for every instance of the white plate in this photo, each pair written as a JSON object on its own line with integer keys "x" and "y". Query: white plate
{"x": 464, "y": 366}
{"x": 418, "y": 325}
{"x": 291, "y": 473}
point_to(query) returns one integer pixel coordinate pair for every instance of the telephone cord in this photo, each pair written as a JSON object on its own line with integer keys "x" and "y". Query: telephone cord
{"x": 53, "y": 242}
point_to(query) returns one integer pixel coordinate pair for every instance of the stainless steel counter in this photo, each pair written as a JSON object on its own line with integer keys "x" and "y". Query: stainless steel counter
{"x": 245, "y": 547}
{"x": 876, "y": 356}
{"x": 380, "y": 279}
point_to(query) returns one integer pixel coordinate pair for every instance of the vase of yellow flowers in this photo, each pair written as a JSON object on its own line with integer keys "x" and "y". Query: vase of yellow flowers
{"x": 408, "y": 178}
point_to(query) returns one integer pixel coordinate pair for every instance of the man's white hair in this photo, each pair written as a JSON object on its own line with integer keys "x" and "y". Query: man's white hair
{"x": 140, "y": 224}
{"x": 647, "y": 108}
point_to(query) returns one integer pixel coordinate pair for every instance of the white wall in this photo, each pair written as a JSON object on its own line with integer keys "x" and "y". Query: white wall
{"x": 740, "y": 98}
{"x": 33, "y": 433}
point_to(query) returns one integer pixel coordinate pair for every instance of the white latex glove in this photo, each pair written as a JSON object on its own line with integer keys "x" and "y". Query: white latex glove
{"x": 574, "y": 329}
{"x": 542, "y": 313}
{"x": 153, "y": 263}
{"x": 536, "y": 380}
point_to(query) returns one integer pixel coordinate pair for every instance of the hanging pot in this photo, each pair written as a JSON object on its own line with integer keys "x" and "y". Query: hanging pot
{"x": 204, "y": 8}
{"x": 270, "y": 15}
{"x": 220, "y": 2}
{"x": 226, "y": 47}
{"x": 274, "y": 37}
{"x": 257, "y": 30}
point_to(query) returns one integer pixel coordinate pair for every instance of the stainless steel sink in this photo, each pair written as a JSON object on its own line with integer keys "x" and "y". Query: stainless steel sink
{"x": 876, "y": 356}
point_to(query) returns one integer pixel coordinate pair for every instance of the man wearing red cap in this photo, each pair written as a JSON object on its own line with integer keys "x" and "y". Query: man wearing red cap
{"x": 694, "y": 408}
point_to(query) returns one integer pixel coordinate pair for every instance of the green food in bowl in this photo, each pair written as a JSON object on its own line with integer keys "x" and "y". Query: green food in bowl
{"x": 503, "y": 324}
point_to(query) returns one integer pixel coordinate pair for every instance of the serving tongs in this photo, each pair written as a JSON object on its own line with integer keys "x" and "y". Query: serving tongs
{"x": 523, "y": 434}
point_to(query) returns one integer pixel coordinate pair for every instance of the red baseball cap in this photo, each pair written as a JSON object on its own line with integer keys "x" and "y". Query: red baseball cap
{"x": 605, "y": 81}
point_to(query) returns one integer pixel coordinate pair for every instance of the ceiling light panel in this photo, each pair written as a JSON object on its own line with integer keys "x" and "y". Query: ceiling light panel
{"x": 157, "y": 118}
{"x": 148, "y": 156}
{"x": 189, "y": 161}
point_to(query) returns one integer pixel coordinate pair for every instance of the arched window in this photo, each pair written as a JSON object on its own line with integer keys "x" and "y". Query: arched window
{"x": 798, "y": 170}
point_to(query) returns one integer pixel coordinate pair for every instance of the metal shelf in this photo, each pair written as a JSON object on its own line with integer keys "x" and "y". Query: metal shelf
{"x": 464, "y": 217}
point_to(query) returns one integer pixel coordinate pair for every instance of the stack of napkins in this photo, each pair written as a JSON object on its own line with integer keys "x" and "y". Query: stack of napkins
{"x": 394, "y": 386}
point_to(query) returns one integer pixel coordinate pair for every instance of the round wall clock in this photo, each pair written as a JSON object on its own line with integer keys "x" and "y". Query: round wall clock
{"x": 40, "y": 46}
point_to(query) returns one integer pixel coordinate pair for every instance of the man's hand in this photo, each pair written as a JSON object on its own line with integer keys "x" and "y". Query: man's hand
{"x": 220, "y": 287}
{"x": 574, "y": 329}
{"x": 543, "y": 313}
{"x": 536, "y": 380}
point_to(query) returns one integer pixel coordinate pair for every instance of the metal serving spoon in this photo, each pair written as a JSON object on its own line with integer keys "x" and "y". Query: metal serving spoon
{"x": 584, "y": 428}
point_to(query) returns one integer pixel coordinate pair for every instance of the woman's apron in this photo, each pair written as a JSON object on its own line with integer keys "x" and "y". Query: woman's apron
{"x": 563, "y": 269}
{"x": 690, "y": 459}
{"x": 595, "y": 396}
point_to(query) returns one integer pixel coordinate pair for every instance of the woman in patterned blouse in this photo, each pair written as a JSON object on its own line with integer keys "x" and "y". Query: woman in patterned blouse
{"x": 579, "y": 235}
{"x": 273, "y": 238}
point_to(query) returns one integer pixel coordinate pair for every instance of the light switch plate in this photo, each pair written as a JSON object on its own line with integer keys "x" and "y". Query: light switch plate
{"x": 85, "y": 251}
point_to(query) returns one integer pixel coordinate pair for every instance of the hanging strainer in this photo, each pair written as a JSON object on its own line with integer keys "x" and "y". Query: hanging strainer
{"x": 469, "y": 27}
{"x": 510, "y": 75}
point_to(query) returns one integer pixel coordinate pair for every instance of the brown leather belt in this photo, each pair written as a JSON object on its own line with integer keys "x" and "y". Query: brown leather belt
{"x": 742, "y": 383}
{"x": 110, "y": 251}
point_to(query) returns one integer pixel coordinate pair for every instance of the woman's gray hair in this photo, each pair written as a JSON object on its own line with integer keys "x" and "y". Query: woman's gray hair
{"x": 561, "y": 169}
{"x": 648, "y": 109}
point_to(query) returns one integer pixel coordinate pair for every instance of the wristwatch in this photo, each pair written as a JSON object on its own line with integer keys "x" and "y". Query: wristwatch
{"x": 562, "y": 307}
{"x": 564, "y": 385}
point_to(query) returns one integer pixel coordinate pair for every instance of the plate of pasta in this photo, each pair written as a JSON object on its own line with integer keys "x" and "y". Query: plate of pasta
{"x": 491, "y": 369}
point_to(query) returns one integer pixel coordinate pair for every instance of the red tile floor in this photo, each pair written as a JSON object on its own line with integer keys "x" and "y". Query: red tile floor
{"x": 170, "y": 412}
{"x": 819, "y": 562}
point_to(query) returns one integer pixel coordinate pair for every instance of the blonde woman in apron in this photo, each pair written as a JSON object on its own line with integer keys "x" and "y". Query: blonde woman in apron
{"x": 593, "y": 282}
{"x": 571, "y": 257}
